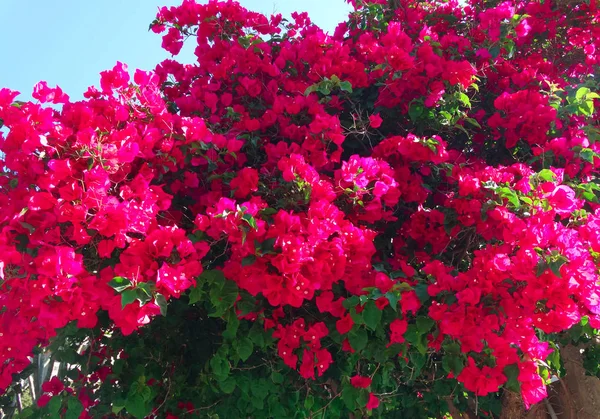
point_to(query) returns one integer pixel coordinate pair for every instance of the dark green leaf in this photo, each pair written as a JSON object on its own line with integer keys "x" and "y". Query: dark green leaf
{"x": 248, "y": 260}
{"x": 424, "y": 324}
{"x": 421, "y": 291}
{"x": 452, "y": 363}
{"x": 276, "y": 377}
{"x": 220, "y": 367}
{"x": 137, "y": 406}
{"x": 119, "y": 283}
{"x": 353, "y": 301}
{"x": 415, "y": 111}
{"x": 245, "y": 347}
{"x": 161, "y": 302}
{"x": 512, "y": 375}
{"x": 358, "y": 338}
{"x": 555, "y": 267}
{"x": 196, "y": 294}
{"x": 232, "y": 326}
{"x": 393, "y": 297}
{"x": 250, "y": 220}
{"x": 371, "y": 315}
{"x": 54, "y": 405}
{"x": 588, "y": 155}
{"x": 128, "y": 297}
{"x": 74, "y": 408}
{"x": 228, "y": 385}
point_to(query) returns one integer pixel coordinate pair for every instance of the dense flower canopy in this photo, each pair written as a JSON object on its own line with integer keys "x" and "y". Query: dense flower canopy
{"x": 401, "y": 215}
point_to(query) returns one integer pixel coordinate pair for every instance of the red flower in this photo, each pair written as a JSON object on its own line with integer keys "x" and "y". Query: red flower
{"x": 344, "y": 325}
{"x": 373, "y": 402}
{"x": 53, "y": 386}
{"x": 397, "y": 328}
{"x": 481, "y": 381}
{"x": 375, "y": 120}
{"x": 360, "y": 382}
{"x": 307, "y": 368}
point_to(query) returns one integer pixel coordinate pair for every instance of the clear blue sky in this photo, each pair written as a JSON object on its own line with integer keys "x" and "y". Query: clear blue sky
{"x": 68, "y": 42}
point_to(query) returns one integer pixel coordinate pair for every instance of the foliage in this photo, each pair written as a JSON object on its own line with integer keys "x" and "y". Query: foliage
{"x": 398, "y": 218}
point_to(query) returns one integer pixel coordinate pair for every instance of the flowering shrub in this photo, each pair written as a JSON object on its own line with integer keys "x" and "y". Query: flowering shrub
{"x": 398, "y": 217}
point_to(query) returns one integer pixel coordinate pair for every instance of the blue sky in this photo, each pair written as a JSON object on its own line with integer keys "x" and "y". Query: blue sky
{"x": 68, "y": 42}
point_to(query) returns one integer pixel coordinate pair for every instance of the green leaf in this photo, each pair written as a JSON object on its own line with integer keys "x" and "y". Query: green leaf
{"x": 452, "y": 363}
{"x": 424, "y": 324}
{"x": 311, "y": 89}
{"x": 415, "y": 111}
{"x": 257, "y": 335}
{"x": 526, "y": 200}
{"x": 324, "y": 88}
{"x": 393, "y": 297}
{"x": 54, "y": 405}
{"x": 464, "y": 99}
{"x": 421, "y": 291}
{"x": 119, "y": 284}
{"x": 224, "y": 298}
{"x": 220, "y": 367}
{"x": 473, "y": 122}
{"x": 232, "y": 326}
{"x": 161, "y": 302}
{"x": 346, "y": 86}
{"x": 248, "y": 260}
{"x": 268, "y": 245}
{"x": 74, "y": 408}
{"x": 588, "y": 155}
{"x": 495, "y": 51}
{"x": 228, "y": 385}
{"x": 309, "y": 402}
{"x": 512, "y": 375}
{"x": 553, "y": 360}
{"x": 353, "y": 301}
{"x": 28, "y": 411}
{"x": 196, "y": 294}
{"x": 357, "y": 318}
{"x": 586, "y": 108}
{"x": 137, "y": 406}
{"x": 510, "y": 195}
{"x": 546, "y": 175}
{"x": 250, "y": 220}
{"x": 276, "y": 377}
{"x": 142, "y": 296}
{"x": 555, "y": 267}
{"x": 418, "y": 360}
{"x": 117, "y": 409}
{"x": 128, "y": 297}
{"x": 28, "y": 226}
{"x": 358, "y": 338}
{"x": 350, "y": 396}
{"x": 582, "y": 92}
{"x": 245, "y": 347}
{"x": 371, "y": 315}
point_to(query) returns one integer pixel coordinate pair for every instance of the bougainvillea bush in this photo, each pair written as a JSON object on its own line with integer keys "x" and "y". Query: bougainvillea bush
{"x": 399, "y": 219}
